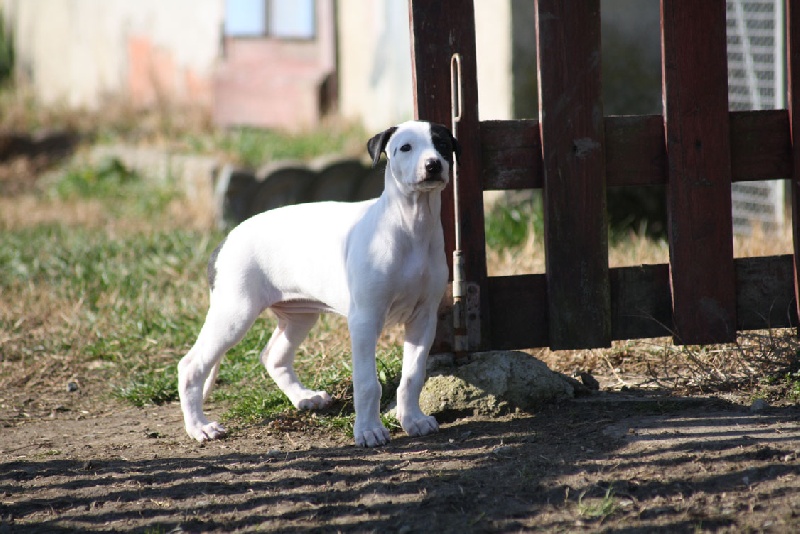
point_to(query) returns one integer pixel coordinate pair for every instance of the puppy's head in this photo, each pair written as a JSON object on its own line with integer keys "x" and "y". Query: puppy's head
{"x": 420, "y": 154}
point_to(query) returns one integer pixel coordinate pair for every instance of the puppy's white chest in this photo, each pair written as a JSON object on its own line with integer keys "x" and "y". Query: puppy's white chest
{"x": 415, "y": 270}
{"x": 417, "y": 281}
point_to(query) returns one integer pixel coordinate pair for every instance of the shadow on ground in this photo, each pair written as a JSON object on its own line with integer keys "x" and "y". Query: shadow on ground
{"x": 611, "y": 462}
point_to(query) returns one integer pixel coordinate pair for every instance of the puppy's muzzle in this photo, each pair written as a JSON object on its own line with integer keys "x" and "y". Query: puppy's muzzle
{"x": 433, "y": 171}
{"x": 433, "y": 166}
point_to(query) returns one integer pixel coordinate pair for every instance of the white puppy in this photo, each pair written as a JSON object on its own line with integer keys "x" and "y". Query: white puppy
{"x": 377, "y": 262}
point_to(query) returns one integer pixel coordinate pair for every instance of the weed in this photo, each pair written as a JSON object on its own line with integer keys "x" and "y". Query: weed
{"x": 389, "y": 369}
{"x": 390, "y": 422}
{"x": 794, "y": 388}
{"x": 343, "y": 422}
{"x": 150, "y": 387}
{"x": 595, "y": 509}
{"x": 252, "y": 404}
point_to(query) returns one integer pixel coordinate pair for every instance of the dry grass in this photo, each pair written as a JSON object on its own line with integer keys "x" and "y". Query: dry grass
{"x": 633, "y": 249}
{"x": 62, "y": 328}
{"x": 161, "y": 124}
{"x": 761, "y": 243}
{"x": 757, "y": 365}
{"x": 32, "y": 210}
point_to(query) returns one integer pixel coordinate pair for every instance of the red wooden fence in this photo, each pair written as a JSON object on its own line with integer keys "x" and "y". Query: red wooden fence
{"x": 697, "y": 148}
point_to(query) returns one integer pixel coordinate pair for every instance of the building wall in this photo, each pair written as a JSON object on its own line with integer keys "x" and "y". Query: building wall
{"x": 274, "y": 82}
{"x": 79, "y": 51}
{"x": 495, "y": 77}
{"x": 375, "y": 63}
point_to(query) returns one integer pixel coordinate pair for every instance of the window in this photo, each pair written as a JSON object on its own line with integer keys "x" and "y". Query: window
{"x": 284, "y": 19}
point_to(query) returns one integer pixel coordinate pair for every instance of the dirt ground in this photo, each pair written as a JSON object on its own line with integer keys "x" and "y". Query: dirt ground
{"x": 625, "y": 461}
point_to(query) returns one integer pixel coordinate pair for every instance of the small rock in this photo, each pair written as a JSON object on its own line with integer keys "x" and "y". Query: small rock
{"x": 502, "y": 450}
{"x": 494, "y": 383}
{"x": 588, "y": 380}
{"x": 72, "y": 387}
{"x": 759, "y": 405}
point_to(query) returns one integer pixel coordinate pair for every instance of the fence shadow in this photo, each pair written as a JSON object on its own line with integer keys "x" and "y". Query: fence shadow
{"x": 666, "y": 466}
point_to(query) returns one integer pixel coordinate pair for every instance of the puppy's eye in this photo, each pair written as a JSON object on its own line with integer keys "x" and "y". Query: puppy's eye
{"x": 405, "y": 148}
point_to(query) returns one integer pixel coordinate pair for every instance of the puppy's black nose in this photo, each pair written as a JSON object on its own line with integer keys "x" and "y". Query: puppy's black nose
{"x": 433, "y": 166}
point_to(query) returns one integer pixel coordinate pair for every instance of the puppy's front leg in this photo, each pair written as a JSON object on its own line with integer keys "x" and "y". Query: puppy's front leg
{"x": 419, "y": 338}
{"x": 364, "y": 332}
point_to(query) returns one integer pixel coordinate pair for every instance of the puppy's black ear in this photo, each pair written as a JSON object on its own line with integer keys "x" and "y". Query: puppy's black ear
{"x": 377, "y": 144}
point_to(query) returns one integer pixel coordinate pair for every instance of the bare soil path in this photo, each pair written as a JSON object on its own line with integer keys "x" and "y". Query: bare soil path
{"x": 612, "y": 462}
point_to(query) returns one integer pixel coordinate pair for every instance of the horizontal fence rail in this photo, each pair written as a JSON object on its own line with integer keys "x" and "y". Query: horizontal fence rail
{"x": 511, "y": 151}
{"x": 696, "y": 149}
{"x": 641, "y": 302}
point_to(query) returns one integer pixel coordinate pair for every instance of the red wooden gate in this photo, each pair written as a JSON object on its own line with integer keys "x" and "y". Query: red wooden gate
{"x": 697, "y": 148}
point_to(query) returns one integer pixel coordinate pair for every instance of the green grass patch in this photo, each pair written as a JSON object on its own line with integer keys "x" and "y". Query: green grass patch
{"x": 255, "y": 147}
{"x": 251, "y": 395}
{"x": 109, "y": 179}
{"x": 509, "y": 224}
{"x": 122, "y": 190}
{"x": 137, "y": 302}
{"x": 149, "y": 387}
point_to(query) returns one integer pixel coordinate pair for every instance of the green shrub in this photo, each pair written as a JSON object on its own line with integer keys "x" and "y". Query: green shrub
{"x": 7, "y": 53}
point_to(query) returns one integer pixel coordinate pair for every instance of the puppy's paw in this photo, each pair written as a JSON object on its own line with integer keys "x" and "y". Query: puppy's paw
{"x": 374, "y": 436}
{"x": 313, "y": 400}
{"x": 419, "y": 426}
{"x": 206, "y": 432}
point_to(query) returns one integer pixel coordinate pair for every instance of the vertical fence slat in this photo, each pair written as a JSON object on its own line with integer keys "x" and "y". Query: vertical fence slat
{"x": 438, "y": 30}
{"x": 695, "y": 86}
{"x": 572, "y": 134}
{"x": 793, "y": 105}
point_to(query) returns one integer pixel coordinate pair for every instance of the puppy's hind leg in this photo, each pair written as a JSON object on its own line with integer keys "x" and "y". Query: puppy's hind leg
{"x": 196, "y": 371}
{"x": 278, "y": 358}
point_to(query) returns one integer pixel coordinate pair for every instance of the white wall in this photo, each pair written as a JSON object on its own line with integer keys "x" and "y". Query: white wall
{"x": 493, "y": 40}
{"x": 375, "y": 61}
{"x": 78, "y": 51}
